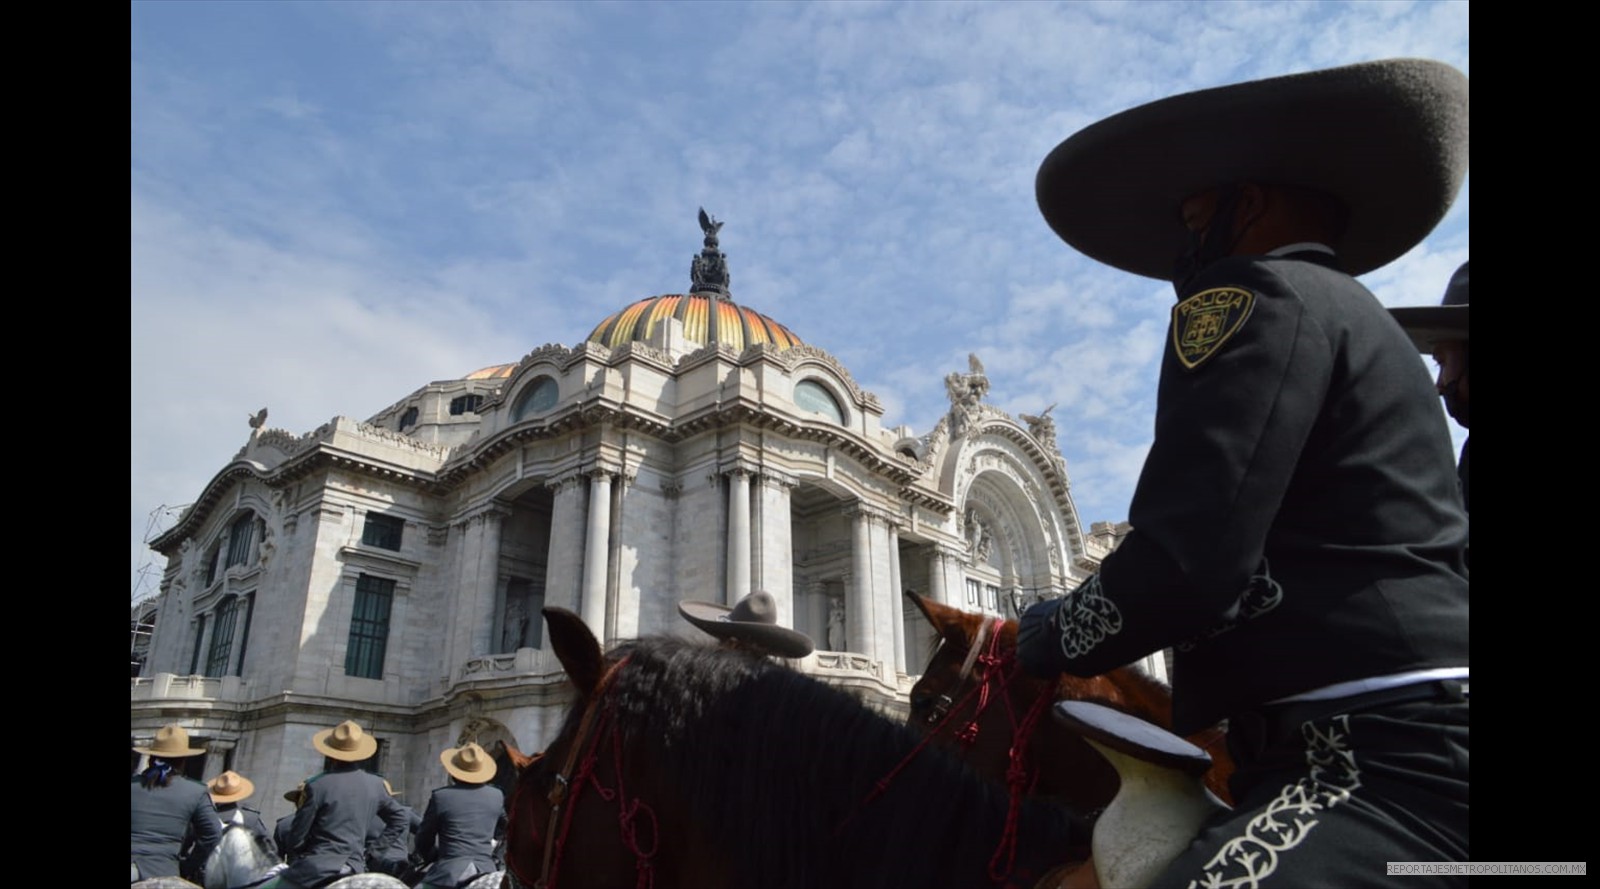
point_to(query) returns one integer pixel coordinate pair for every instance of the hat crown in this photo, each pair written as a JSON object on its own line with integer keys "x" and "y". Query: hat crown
{"x": 346, "y": 736}
{"x": 171, "y": 742}
{"x": 226, "y": 783}
{"x": 758, "y": 607}
{"x": 1456, "y": 293}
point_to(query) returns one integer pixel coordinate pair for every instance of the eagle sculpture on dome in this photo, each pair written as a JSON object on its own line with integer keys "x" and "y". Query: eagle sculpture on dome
{"x": 709, "y": 224}
{"x": 259, "y": 420}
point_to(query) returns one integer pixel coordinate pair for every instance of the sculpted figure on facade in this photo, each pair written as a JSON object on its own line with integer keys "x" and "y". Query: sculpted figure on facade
{"x": 836, "y": 623}
{"x": 1043, "y": 428}
{"x": 966, "y": 391}
{"x": 980, "y": 542}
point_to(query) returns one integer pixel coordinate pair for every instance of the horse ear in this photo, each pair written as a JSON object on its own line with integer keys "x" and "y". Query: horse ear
{"x": 576, "y": 648}
{"x": 949, "y": 622}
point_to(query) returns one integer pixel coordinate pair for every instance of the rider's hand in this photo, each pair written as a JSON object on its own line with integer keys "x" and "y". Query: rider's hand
{"x": 1039, "y": 640}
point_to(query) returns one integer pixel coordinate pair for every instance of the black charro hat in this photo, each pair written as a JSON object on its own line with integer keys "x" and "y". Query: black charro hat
{"x": 1427, "y": 325}
{"x": 752, "y": 620}
{"x": 1388, "y": 138}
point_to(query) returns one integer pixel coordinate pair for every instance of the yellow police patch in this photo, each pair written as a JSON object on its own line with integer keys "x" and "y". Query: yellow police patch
{"x": 1204, "y": 321}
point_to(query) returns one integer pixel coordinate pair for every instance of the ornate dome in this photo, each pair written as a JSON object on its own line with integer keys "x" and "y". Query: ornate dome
{"x": 736, "y": 325}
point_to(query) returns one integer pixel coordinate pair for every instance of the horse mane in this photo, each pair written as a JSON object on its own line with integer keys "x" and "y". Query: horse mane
{"x": 775, "y": 767}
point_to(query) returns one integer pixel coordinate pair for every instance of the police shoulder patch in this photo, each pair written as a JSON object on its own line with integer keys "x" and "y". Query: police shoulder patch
{"x": 1205, "y": 321}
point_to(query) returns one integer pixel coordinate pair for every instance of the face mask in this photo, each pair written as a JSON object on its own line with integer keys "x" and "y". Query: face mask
{"x": 1216, "y": 242}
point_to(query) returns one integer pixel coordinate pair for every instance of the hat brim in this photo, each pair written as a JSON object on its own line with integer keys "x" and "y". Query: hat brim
{"x": 1389, "y": 139}
{"x": 364, "y": 750}
{"x": 169, "y": 754}
{"x": 461, "y": 774}
{"x": 247, "y": 787}
{"x": 1430, "y": 325}
{"x": 771, "y": 638}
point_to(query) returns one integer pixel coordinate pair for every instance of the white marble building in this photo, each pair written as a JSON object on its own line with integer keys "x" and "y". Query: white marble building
{"x": 392, "y": 570}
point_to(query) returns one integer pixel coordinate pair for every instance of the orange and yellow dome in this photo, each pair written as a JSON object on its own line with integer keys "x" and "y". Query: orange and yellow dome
{"x": 736, "y": 325}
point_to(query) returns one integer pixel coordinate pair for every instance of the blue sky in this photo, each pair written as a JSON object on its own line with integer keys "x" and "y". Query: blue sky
{"x": 336, "y": 203}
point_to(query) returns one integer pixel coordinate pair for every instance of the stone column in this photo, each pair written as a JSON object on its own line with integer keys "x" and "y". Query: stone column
{"x": 482, "y": 613}
{"x": 738, "y": 535}
{"x": 593, "y": 607}
{"x": 897, "y": 599}
{"x": 858, "y": 608}
{"x": 564, "y": 567}
{"x": 774, "y": 557}
{"x": 936, "y": 590}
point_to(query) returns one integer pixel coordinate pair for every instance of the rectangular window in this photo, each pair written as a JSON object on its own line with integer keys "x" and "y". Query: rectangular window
{"x": 973, "y": 589}
{"x": 221, "y": 638}
{"x": 465, "y": 404}
{"x": 212, "y": 555}
{"x": 239, "y": 536}
{"x": 244, "y": 634}
{"x": 199, "y": 639}
{"x": 992, "y": 597}
{"x": 369, "y": 627}
{"x": 382, "y": 531}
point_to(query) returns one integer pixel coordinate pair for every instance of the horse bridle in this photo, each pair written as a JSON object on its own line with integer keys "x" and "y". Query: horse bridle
{"x": 1018, "y": 777}
{"x": 561, "y": 814}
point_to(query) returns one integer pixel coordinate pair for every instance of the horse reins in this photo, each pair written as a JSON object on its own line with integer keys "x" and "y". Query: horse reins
{"x": 1018, "y": 778}
{"x": 591, "y": 731}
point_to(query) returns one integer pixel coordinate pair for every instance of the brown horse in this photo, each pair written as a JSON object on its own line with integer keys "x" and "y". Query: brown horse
{"x": 682, "y": 764}
{"x": 974, "y": 696}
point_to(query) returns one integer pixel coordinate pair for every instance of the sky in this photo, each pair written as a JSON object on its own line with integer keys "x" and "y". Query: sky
{"x": 334, "y": 204}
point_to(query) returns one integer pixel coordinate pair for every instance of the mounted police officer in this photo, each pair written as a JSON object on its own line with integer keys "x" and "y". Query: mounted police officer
{"x": 750, "y": 625}
{"x": 171, "y": 811}
{"x": 463, "y": 822}
{"x": 228, "y": 791}
{"x": 328, "y": 837}
{"x": 1441, "y": 331}
{"x": 1298, "y": 534}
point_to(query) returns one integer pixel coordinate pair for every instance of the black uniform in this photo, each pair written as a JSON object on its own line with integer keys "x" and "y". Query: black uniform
{"x": 1297, "y": 524}
{"x": 328, "y": 835}
{"x": 164, "y": 819}
{"x": 458, "y": 832}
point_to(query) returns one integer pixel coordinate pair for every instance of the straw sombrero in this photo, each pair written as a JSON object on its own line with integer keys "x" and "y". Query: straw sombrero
{"x": 1387, "y": 138}
{"x": 172, "y": 742}
{"x": 753, "y": 620}
{"x": 1427, "y": 325}
{"x": 230, "y": 787}
{"x": 345, "y": 742}
{"x": 469, "y": 763}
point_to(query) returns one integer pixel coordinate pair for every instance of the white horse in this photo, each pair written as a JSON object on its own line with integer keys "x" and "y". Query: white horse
{"x": 240, "y": 860}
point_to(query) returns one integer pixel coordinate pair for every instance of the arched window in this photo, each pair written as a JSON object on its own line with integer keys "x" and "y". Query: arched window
{"x": 408, "y": 419}
{"x": 537, "y": 397}
{"x": 811, "y": 395}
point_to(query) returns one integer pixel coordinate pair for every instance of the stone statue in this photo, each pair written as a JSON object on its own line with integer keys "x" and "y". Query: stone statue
{"x": 979, "y": 541}
{"x": 836, "y": 640}
{"x": 257, "y": 422}
{"x": 514, "y": 634}
{"x": 1043, "y": 427}
{"x": 966, "y": 391}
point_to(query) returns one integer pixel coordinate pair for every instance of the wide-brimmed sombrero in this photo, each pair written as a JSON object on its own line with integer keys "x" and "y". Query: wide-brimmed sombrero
{"x": 345, "y": 742}
{"x": 230, "y": 787}
{"x": 752, "y": 620}
{"x": 172, "y": 742}
{"x": 469, "y": 763}
{"x": 1427, "y": 325}
{"x": 1388, "y": 138}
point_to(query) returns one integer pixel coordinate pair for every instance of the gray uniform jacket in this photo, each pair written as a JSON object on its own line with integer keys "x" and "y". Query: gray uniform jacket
{"x": 458, "y": 832}
{"x": 164, "y": 817}
{"x": 329, "y": 830}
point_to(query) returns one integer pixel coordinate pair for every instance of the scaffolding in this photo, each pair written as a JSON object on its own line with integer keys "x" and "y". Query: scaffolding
{"x": 147, "y": 582}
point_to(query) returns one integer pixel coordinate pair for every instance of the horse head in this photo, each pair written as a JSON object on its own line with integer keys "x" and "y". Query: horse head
{"x": 975, "y": 697}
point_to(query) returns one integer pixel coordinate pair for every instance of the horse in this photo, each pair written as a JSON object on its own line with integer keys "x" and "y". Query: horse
{"x": 974, "y": 696}
{"x": 682, "y": 764}
{"x": 240, "y": 860}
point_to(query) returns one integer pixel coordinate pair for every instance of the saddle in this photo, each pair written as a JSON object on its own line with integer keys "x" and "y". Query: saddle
{"x": 1159, "y": 806}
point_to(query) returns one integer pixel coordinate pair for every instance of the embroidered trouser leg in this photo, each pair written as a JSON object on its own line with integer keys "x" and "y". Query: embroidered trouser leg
{"x": 1327, "y": 797}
